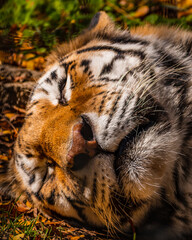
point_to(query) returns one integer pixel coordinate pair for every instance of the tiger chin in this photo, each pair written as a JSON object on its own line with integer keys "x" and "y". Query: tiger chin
{"x": 107, "y": 138}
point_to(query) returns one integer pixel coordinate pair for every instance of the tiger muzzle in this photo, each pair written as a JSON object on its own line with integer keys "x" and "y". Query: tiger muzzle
{"x": 82, "y": 148}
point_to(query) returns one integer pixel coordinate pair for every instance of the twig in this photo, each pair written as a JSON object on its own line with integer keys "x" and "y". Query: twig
{"x": 7, "y": 120}
{"x": 21, "y": 110}
{"x": 119, "y": 10}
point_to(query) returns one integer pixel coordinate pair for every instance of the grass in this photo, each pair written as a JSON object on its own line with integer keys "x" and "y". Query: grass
{"x": 17, "y": 225}
{"x": 19, "y": 221}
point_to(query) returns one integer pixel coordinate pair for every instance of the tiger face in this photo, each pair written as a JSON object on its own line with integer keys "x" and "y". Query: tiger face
{"x": 103, "y": 138}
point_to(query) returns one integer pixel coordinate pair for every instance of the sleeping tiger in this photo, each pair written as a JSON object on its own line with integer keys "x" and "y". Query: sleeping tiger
{"x": 107, "y": 139}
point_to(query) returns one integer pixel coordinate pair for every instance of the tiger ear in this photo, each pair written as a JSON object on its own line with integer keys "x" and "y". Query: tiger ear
{"x": 100, "y": 22}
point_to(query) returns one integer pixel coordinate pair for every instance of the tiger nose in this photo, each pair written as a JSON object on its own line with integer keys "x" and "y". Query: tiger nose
{"x": 83, "y": 146}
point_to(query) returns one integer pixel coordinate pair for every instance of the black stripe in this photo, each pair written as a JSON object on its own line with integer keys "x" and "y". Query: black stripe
{"x": 54, "y": 75}
{"x": 187, "y": 45}
{"x": 113, "y": 110}
{"x": 38, "y": 196}
{"x": 32, "y": 179}
{"x": 121, "y": 205}
{"x": 29, "y": 114}
{"x": 182, "y": 92}
{"x": 29, "y": 155}
{"x": 94, "y": 190}
{"x": 188, "y": 132}
{"x": 122, "y": 38}
{"x": 149, "y": 108}
{"x": 179, "y": 74}
{"x": 73, "y": 66}
{"x": 124, "y": 108}
{"x": 78, "y": 209}
{"x": 51, "y": 198}
{"x": 76, "y": 201}
{"x": 91, "y": 76}
{"x": 24, "y": 169}
{"x": 170, "y": 207}
{"x": 47, "y": 80}
{"x": 32, "y": 104}
{"x": 100, "y": 93}
{"x": 108, "y": 67}
{"x": 137, "y": 53}
{"x": 185, "y": 156}
{"x": 43, "y": 90}
{"x": 167, "y": 60}
{"x": 61, "y": 86}
{"x": 103, "y": 193}
{"x": 107, "y": 79}
{"x": 102, "y": 103}
{"x": 66, "y": 65}
{"x": 183, "y": 219}
{"x": 178, "y": 191}
{"x": 85, "y": 64}
{"x": 128, "y": 39}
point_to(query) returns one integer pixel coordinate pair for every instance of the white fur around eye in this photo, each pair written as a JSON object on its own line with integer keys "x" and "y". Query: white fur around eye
{"x": 67, "y": 90}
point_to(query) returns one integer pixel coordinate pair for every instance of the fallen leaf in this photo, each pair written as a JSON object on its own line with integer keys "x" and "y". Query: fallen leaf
{"x": 21, "y": 207}
{"x": 19, "y": 236}
{"x": 5, "y": 204}
{"x": 184, "y": 13}
{"x": 141, "y": 12}
{"x": 28, "y": 204}
{"x": 52, "y": 222}
{"x": 10, "y": 115}
{"x": 77, "y": 237}
{"x": 6, "y": 132}
{"x": 184, "y": 3}
{"x": 3, "y": 157}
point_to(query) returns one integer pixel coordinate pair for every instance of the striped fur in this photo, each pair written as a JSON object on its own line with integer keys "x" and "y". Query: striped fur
{"x": 132, "y": 92}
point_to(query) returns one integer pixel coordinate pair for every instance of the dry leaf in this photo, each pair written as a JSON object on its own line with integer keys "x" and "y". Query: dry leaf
{"x": 77, "y": 237}
{"x": 184, "y": 3}
{"x": 18, "y": 237}
{"x": 10, "y": 115}
{"x": 5, "y": 204}
{"x": 3, "y": 157}
{"x": 184, "y": 13}
{"x": 6, "y": 132}
{"x": 21, "y": 207}
{"x": 141, "y": 12}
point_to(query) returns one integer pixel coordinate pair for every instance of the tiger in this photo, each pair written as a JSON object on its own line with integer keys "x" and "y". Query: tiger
{"x": 107, "y": 137}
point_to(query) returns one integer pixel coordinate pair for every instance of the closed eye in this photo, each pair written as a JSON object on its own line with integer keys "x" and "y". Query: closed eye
{"x": 62, "y": 99}
{"x": 65, "y": 88}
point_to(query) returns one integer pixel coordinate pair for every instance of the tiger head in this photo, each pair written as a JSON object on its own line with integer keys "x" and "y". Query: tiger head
{"x": 97, "y": 145}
